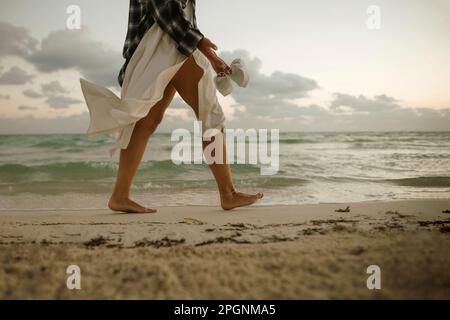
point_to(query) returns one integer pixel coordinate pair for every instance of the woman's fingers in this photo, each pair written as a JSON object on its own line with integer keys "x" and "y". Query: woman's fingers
{"x": 220, "y": 66}
{"x": 225, "y": 68}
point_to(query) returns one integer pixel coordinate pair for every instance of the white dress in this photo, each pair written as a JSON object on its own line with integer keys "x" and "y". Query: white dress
{"x": 151, "y": 68}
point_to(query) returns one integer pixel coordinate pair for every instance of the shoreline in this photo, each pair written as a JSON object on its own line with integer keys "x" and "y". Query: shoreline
{"x": 266, "y": 252}
{"x": 212, "y": 206}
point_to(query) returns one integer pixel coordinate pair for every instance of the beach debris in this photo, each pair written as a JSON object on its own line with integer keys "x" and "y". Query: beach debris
{"x": 239, "y": 226}
{"x": 398, "y": 214}
{"x": 219, "y": 240}
{"x": 233, "y": 238}
{"x": 332, "y": 221}
{"x": 340, "y": 227}
{"x": 96, "y": 242}
{"x": 165, "y": 242}
{"x": 380, "y": 228}
{"x": 278, "y": 238}
{"x": 357, "y": 251}
{"x": 346, "y": 210}
{"x": 312, "y": 231}
{"x": 393, "y": 212}
{"x": 395, "y": 225}
{"x": 45, "y": 242}
{"x": 433, "y": 223}
{"x": 442, "y": 225}
{"x": 446, "y": 211}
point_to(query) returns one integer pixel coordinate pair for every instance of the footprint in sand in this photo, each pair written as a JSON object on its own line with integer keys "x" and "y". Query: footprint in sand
{"x": 96, "y": 242}
{"x": 346, "y": 210}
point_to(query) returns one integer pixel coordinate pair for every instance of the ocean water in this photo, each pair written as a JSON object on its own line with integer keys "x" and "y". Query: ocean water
{"x": 71, "y": 171}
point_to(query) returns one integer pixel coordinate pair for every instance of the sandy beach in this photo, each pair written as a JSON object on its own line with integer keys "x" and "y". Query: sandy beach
{"x": 266, "y": 252}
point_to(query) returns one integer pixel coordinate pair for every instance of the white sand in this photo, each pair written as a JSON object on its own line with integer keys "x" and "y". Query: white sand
{"x": 294, "y": 252}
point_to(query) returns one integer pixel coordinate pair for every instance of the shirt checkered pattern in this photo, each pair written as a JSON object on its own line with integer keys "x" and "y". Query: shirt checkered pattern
{"x": 169, "y": 15}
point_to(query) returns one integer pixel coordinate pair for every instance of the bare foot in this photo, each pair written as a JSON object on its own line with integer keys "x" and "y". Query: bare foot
{"x": 235, "y": 200}
{"x": 128, "y": 206}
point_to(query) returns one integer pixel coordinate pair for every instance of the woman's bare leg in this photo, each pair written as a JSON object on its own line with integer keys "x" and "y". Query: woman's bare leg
{"x": 186, "y": 83}
{"x": 131, "y": 158}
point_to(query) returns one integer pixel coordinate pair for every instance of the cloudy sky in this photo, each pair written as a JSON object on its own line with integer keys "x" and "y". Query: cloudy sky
{"x": 314, "y": 65}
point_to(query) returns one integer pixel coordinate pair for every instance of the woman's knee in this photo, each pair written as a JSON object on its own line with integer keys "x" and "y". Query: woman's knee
{"x": 151, "y": 123}
{"x": 154, "y": 122}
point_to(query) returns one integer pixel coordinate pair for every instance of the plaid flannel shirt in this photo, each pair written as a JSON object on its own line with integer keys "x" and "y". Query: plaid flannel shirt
{"x": 169, "y": 15}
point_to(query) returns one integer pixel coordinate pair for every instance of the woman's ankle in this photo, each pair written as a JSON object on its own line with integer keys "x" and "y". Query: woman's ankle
{"x": 227, "y": 191}
{"x": 116, "y": 196}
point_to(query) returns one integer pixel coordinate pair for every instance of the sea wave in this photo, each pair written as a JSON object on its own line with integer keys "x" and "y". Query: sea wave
{"x": 356, "y": 139}
{"x": 97, "y": 177}
{"x": 91, "y": 170}
{"x": 52, "y": 142}
{"x": 370, "y": 165}
{"x": 56, "y": 171}
{"x": 434, "y": 182}
{"x": 297, "y": 141}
